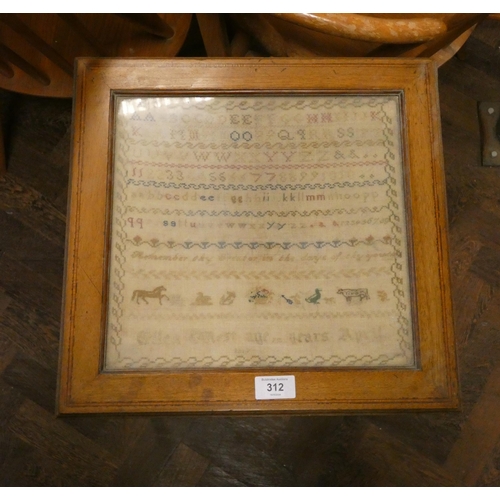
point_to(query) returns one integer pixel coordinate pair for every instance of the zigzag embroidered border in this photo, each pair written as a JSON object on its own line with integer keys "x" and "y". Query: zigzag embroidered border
{"x": 250, "y": 213}
{"x": 272, "y": 103}
{"x": 253, "y": 245}
{"x": 258, "y": 187}
{"x": 263, "y": 275}
{"x": 255, "y": 361}
{"x": 260, "y": 166}
{"x": 287, "y": 316}
{"x": 246, "y": 145}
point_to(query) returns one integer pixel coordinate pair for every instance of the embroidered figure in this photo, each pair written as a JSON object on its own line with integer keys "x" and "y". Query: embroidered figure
{"x": 260, "y": 296}
{"x": 349, "y": 293}
{"x": 202, "y": 300}
{"x": 157, "y": 293}
{"x": 227, "y": 299}
{"x": 314, "y": 298}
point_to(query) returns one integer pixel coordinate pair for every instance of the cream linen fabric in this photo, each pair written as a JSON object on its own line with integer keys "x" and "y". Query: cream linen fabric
{"x": 258, "y": 232}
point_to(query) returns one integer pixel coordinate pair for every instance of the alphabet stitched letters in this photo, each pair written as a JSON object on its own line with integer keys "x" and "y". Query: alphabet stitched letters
{"x": 258, "y": 231}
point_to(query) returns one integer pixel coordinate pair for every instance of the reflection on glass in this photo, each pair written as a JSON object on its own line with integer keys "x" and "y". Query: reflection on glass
{"x": 258, "y": 231}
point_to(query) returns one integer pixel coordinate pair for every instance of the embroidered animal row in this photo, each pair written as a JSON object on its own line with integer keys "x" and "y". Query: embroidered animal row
{"x": 257, "y": 296}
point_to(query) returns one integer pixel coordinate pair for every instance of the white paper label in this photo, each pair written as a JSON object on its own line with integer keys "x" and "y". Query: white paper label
{"x": 275, "y": 387}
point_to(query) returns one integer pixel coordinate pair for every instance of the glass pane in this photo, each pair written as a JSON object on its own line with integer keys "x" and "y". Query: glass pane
{"x": 258, "y": 231}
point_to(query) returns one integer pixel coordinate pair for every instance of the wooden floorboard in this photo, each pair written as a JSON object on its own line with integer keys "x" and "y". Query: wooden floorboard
{"x": 479, "y": 436}
{"x": 408, "y": 449}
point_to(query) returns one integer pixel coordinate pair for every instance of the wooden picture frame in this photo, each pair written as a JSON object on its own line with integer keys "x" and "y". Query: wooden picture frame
{"x": 178, "y": 295}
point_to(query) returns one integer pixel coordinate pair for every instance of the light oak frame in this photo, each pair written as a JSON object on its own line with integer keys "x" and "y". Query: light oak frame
{"x": 85, "y": 388}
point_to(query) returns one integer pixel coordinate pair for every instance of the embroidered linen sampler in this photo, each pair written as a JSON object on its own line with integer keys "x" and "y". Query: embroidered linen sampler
{"x": 258, "y": 231}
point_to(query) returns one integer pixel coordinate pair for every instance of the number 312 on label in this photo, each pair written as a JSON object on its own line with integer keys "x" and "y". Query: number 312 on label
{"x": 275, "y": 387}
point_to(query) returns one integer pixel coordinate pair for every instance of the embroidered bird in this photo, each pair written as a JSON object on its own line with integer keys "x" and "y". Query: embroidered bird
{"x": 314, "y": 298}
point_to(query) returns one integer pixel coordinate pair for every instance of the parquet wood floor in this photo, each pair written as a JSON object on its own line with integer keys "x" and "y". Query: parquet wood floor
{"x": 408, "y": 449}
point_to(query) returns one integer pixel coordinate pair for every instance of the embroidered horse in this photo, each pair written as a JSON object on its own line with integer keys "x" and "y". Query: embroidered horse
{"x": 154, "y": 294}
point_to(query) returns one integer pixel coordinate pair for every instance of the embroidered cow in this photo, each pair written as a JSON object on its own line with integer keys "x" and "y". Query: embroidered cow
{"x": 349, "y": 293}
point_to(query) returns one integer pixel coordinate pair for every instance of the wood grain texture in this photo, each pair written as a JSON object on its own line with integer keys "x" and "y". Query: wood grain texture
{"x": 372, "y": 28}
{"x": 84, "y": 387}
{"x": 40, "y": 49}
{"x": 438, "y": 36}
{"x": 213, "y": 31}
{"x": 479, "y": 436}
{"x": 410, "y": 448}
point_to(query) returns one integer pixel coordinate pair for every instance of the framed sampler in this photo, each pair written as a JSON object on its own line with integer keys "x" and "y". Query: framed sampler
{"x": 256, "y": 236}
